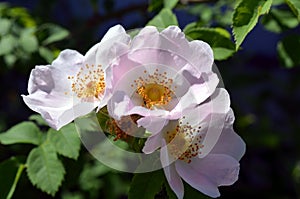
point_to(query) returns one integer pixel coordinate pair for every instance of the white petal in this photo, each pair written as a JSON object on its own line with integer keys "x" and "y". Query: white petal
{"x": 201, "y": 58}
{"x": 212, "y": 115}
{"x": 152, "y": 143}
{"x": 118, "y": 105}
{"x": 112, "y": 46}
{"x": 173, "y": 178}
{"x": 197, "y": 93}
{"x": 208, "y": 173}
{"x": 148, "y": 37}
{"x": 229, "y": 143}
{"x": 153, "y": 124}
{"x": 174, "y": 181}
{"x": 113, "y": 33}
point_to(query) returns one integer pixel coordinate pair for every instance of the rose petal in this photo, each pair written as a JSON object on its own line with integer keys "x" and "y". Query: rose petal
{"x": 208, "y": 173}
{"x": 49, "y": 90}
{"x": 229, "y": 142}
{"x": 152, "y": 143}
{"x": 172, "y": 176}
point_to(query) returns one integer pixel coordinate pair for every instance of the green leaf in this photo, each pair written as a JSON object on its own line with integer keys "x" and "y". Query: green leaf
{"x": 295, "y": 7}
{"x": 155, "y": 5}
{"x": 25, "y": 132}
{"x": 217, "y": 38}
{"x": 38, "y": 119}
{"x": 245, "y": 17}
{"x": 170, "y": 4}
{"x": 46, "y": 54}
{"x": 10, "y": 59}
{"x": 8, "y": 170}
{"x": 164, "y": 19}
{"x": 44, "y": 169}
{"x": 288, "y": 51}
{"x": 7, "y": 44}
{"x": 279, "y": 20}
{"x": 28, "y": 40}
{"x": 5, "y": 25}
{"x": 56, "y": 33}
{"x": 66, "y": 141}
{"x": 277, "y": 2}
{"x": 89, "y": 177}
{"x": 146, "y": 185}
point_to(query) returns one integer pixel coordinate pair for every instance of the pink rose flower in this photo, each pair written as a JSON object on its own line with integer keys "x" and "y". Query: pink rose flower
{"x": 73, "y": 85}
{"x": 201, "y": 147}
{"x": 159, "y": 75}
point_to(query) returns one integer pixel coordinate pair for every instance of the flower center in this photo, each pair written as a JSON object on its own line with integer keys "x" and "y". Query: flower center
{"x": 154, "y": 94}
{"x": 89, "y": 82}
{"x": 155, "y": 89}
{"x": 184, "y": 142}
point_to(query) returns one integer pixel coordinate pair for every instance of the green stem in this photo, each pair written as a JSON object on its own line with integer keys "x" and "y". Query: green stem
{"x": 13, "y": 187}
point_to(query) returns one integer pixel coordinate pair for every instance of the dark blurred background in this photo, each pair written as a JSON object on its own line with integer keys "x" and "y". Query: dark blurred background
{"x": 265, "y": 95}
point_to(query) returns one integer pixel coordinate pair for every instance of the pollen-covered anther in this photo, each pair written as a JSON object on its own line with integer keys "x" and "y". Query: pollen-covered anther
{"x": 184, "y": 142}
{"x": 123, "y": 128}
{"x": 155, "y": 89}
{"x": 89, "y": 82}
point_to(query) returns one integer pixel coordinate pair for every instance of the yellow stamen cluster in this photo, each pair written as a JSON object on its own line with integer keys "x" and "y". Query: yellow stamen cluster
{"x": 184, "y": 142}
{"x": 155, "y": 89}
{"x": 89, "y": 82}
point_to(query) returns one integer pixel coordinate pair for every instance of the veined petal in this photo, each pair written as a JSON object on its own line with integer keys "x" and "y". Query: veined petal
{"x": 152, "y": 143}
{"x": 206, "y": 174}
{"x": 50, "y": 90}
{"x": 152, "y": 123}
{"x": 172, "y": 176}
{"x": 201, "y": 56}
{"x": 197, "y": 93}
{"x": 174, "y": 181}
{"x": 118, "y": 105}
{"x": 230, "y": 143}
{"x": 210, "y": 117}
{"x": 112, "y": 46}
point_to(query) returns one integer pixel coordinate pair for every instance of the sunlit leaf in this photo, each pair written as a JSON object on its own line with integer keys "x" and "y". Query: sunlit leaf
{"x": 56, "y": 33}
{"x": 7, "y": 44}
{"x": 28, "y": 41}
{"x": 279, "y": 20}
{"x": 10, "y": 59}
{"x": 46, "y": 54}
{"x": 146, "y": 185}
{"x": 217, "y": 38}
{"x": 245, "y": 17}
{"x": 295, "y": 7}
{"x": 164, "y": 19}
{"x": 288, "y": 51}
{"x": 25, "y": 132}
{"x": 44, "y": 169}
{"x": 170, "y": 4}
{"x": 5, "y": 25}
{"x": 66, "y": 141}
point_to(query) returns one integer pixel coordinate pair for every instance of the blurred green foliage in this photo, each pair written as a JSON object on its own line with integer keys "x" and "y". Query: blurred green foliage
{"x": 21, "y": 36}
